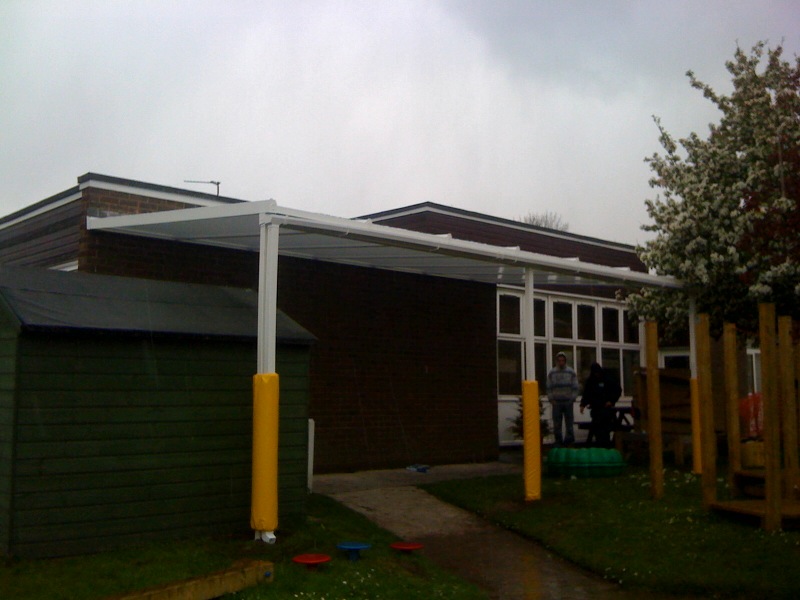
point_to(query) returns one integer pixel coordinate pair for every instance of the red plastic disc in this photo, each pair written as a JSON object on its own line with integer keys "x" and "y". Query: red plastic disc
{"x": 311, "y": 560}
{"x": 406, "y": 546}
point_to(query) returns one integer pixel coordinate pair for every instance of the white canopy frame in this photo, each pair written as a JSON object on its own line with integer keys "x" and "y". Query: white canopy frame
{"x": 272, "y": 230}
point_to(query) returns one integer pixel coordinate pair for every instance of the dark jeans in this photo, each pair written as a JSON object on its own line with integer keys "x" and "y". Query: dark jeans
{"x": 562, "y": 412}
{"x": 601, "y": 426}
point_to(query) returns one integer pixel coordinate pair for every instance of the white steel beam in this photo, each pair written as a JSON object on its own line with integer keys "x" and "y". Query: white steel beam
{"x": 267, "y": 293}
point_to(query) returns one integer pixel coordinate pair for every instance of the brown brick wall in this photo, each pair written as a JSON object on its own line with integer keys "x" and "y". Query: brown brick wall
{"x": 107, "y": 203}
{"x": 130, "y": 256}
{"x": 405, "y": 367}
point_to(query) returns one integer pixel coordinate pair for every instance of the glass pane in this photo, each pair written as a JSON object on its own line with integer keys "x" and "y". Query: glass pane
{"x": 509, "y": 368}
{"x": 630, "y": 328}
{"x": 610, "y": 324}
{"x": 562, "y": 320}
{"x": 586, "y": 324}
{"x": 610, "y": 362}
{"x": 540, "y": 364}
{"x": 539, "y": 322}
{"x": 586, "y": 356}
{"x": 630, "y": 362}
{"x": 509, "y": 321}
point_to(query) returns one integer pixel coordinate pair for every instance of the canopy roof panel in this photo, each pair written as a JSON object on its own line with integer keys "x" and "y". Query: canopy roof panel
{"x": 366, "y": 244}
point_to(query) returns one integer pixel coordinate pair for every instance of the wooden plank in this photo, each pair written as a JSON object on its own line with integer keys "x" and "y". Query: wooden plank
{"x": 757, "y": 508}
{"x": 731, "y": 370}
{"x": 708, "y": 444}
{"x": 192, "y": 520}
{"x": 56, "y": 484}
{"x": 181, "y": 509}
{"x": 8, "y": 348}
{"x": 158, "y": 445}
{"x": 217, "y": 482}
{"x": 210, "y": 586}
{"x": 35, "y": 432}
{"x": 788, "y": 402}
{"x": 188, "y": 442}
{"x": 654, "y": 413}
{"x": 772, "y": 442}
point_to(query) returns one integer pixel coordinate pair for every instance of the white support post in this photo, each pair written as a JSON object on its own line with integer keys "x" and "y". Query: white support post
{"x": 692, "y": 338}
{"x": 694, "y": 391}
{"x": 267, "y": 317}
{"x": 267, "y": 294}
{"x": 532, "y": 449}
{"x": 528, "y": 326}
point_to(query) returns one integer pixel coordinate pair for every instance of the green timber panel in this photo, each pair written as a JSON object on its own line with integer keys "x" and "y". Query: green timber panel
{"x": 121, "y": 438}
{"x": 8, "y": 361}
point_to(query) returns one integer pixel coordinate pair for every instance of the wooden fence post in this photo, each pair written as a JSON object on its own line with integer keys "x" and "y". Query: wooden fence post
{"x": 788, "y": 403}
{"x": 732, "y": 396}
{"x": 708, "y": 444}
{"x": 656, "y": 443}
{"x": 772, "y": 434}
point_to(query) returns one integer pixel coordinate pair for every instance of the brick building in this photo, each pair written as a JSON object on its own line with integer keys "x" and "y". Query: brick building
{"x": 408, "y": 367}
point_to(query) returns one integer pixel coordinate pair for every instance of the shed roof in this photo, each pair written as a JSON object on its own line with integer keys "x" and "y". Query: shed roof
{"x": 46, "y": 299}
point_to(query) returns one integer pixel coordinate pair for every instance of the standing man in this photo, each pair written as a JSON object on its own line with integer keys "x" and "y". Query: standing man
{"x": 562, "y": 390}
{"x": 600, "y": 394}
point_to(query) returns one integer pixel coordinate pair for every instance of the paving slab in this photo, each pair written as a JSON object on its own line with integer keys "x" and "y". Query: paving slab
{"x": 508, "y": 566}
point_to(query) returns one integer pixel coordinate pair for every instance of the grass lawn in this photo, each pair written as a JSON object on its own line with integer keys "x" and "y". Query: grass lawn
{"x": 612, "y": 527}
{"x": 382, "y": 573}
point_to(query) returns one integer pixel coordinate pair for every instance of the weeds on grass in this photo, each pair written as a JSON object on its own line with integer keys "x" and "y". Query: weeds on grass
{"x": 613, "y": 527}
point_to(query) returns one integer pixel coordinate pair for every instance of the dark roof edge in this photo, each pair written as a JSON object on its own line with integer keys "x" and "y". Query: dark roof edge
{"x": 163, "y": 334}
{"x": 469, "y": 214}
{"x": 40, "y": 205}
{"x": 154, "y": 187}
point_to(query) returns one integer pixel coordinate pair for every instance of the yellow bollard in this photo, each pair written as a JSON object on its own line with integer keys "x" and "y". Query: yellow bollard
{"x": 264, "y": 500}
{"x": 533, "y": 441}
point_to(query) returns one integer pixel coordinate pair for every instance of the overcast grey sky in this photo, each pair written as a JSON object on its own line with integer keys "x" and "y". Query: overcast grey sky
{"x": 348, "y": 107}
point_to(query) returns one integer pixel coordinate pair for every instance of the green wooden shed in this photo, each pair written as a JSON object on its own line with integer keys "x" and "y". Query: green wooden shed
{"x": 126, "y": 411}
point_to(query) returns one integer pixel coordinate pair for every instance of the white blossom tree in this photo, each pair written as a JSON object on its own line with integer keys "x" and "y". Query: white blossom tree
{"x": 727, "y": 222}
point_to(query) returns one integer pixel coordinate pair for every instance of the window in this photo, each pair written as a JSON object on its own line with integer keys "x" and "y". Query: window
{"x": 540, "y": 360}
{"x": 583, "y": 365}
{"x": 509, "y": 368}
{"x": 508, "y": 309}
{"x": 610, "y": 362}
{"x": 585, "y": 329}
{"x": 539, "y": 317}
{"x": 562, "y": 320}
{"x": 610, "y": 324}
{"x": 630, "y": 329}
{"x": 586, "y": 322}
{"x": 630, "y": 362}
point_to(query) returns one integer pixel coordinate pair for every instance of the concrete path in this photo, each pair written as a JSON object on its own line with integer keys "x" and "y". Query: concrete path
{"x": 506, "y": 565}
